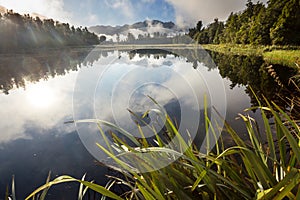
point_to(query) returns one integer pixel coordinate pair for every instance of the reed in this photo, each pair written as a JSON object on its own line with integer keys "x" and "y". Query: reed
{"x": 252, "y": 169}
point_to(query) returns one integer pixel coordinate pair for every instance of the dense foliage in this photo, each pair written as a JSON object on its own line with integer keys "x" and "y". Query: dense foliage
{"x": 21, "y": 33}
{"x": 276, "y": 23}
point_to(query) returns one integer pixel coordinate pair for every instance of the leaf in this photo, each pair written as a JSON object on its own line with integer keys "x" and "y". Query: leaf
{"x": 44, "y": 193}
{"x": 13, "y": 188}
{"x": 291, "y": 180}
{"x": 64, "y": 179}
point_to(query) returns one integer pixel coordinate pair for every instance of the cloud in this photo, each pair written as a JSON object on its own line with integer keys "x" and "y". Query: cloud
{"x": 51, "y": 9}
{"x": 123, "y": 6}
{"x": 189, "y": 12}
{"x": 148, "y": 1}
{"x": 91, "y": 19}
{"x": 149, "y": 29}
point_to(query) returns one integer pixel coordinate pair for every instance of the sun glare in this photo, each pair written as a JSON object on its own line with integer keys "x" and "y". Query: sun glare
{"x": 42, "y": 8}
{"x": 40, "y": 96}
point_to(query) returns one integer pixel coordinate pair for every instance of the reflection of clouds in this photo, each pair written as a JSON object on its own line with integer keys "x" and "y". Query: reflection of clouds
{"x": 123, "y": 81}
{"x": 18, "y": 111}
{"x": 114, "y": 84}
{"x": 109, "y": 83}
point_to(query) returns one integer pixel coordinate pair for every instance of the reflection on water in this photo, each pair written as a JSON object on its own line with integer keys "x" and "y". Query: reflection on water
{"x": 34, "y": 139}
{"x": 127, "y": 81}
{"x": 266, "y": 79}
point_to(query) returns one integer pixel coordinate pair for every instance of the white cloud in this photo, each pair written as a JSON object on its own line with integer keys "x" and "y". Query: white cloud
{"x": 190, "y": 11}
{"x": 92, "y": 19}
{"x": 150, "y": 29}
{"x": 148, "y": 1}
{"x": 123, "y": 6}
{"x": 49, "y": 8}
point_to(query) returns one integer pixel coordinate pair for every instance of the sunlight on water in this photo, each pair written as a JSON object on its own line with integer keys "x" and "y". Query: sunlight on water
{"x": 40, "y": 96}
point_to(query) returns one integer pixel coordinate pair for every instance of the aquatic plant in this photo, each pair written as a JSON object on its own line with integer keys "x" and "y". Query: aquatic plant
{"x": 248, "y": 169}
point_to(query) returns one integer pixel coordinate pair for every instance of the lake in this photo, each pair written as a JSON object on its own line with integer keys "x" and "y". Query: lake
{"x": 41, "y": 91}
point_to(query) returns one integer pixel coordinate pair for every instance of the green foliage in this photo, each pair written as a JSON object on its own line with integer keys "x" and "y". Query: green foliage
{"x": 286, "y": 58}
{"x": 278, "y": 23}
{"x": 23, "y": 33}
{"x": 249, "y": 169}
{"x": 64, "y": 179}
{"x": 284, "y": 30}
{"x": 209, "y": 35}
{"x": 288, "y": 55}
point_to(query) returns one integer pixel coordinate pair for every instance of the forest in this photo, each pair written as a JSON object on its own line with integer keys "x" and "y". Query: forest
{"x": 277, "y": 23}
{"x": 22, "y": 33}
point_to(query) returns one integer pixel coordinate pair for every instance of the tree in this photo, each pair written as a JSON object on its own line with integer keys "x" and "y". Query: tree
{"x": 232, "y": 26}
{"x": 102, "y": 38}
{"x": 23, "y": 33}
{"x": 118, "y": 38}
{"x": 130, "y": 37}
{"x": 259, "y": 32}
{"x": 199, "y": 26}
{"x": 287, "y": 28}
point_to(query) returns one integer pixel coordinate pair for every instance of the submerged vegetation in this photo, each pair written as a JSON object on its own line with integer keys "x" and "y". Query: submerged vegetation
{"x": 24, "y": 33}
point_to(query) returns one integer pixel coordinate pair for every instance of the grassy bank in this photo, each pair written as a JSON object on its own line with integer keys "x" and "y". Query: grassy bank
{"x": 283, "y": 55}
{"x": 289, "y": 58}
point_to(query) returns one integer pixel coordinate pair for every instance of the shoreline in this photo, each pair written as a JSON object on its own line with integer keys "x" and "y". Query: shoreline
{"x": 283, "y": 55}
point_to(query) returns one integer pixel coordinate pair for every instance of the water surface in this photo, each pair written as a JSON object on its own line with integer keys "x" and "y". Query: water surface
{"x": 37, "y": 98}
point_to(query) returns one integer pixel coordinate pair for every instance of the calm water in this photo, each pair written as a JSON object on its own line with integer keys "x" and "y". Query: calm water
{"x": 41, "y": 91}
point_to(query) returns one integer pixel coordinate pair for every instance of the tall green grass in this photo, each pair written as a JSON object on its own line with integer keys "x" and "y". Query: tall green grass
{"x": 249, "y": 169}
{"x": 283, "y": 55}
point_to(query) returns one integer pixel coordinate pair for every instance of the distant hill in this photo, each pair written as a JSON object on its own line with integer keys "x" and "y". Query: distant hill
{"x": 145, "y": 27}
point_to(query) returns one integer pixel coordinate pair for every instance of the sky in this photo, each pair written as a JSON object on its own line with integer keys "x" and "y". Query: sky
{"x": 119, "y": 12}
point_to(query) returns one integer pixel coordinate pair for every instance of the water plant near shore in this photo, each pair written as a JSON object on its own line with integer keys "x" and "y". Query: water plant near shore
{"x": 246, "y": 170}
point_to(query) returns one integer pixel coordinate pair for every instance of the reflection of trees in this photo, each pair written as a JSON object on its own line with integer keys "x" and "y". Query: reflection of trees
{"x": 253, "y": 72}
{"x": 241, "y": 70}
{"x": 15, "y": 70}
{"x": 156, "y": 53}
{"x": 249, "y": 71}
{"x": 193, "y": 55}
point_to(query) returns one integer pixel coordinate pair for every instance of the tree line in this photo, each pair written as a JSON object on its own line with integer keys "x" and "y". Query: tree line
{"x": 24, "y": 33}
{"x": 277, "y": 23}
